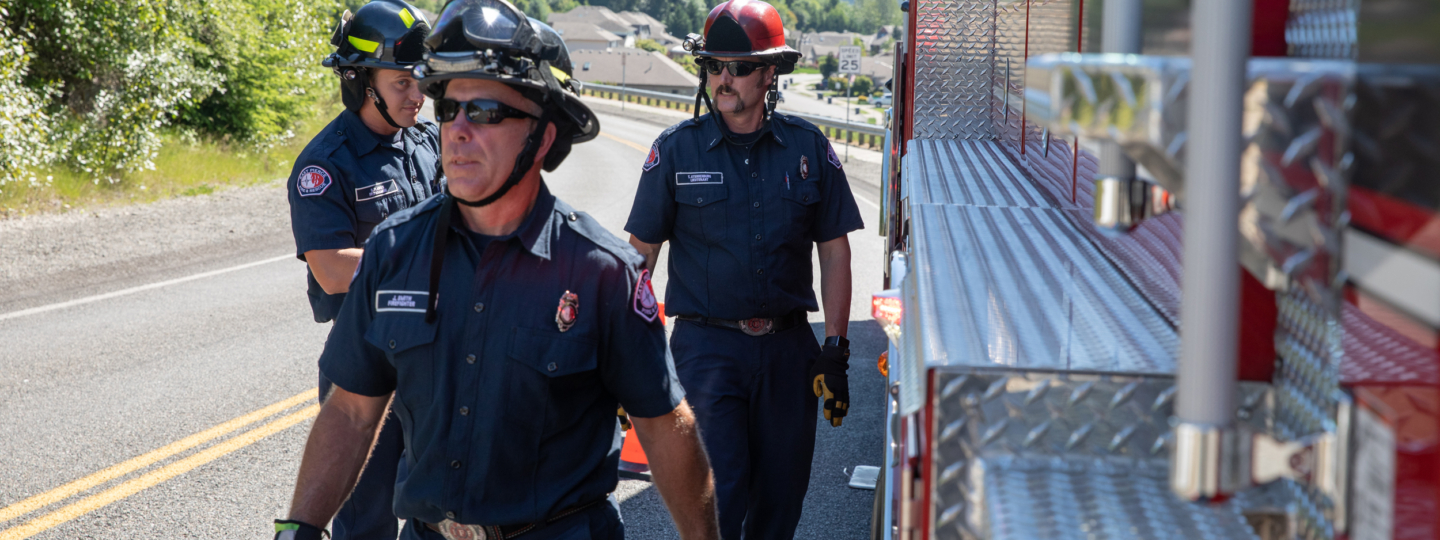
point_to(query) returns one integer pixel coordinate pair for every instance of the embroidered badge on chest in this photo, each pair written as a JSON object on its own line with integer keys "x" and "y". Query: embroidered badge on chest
{"x": 804, "y": 167}
{"x": 644, "y": 301}
{"x": 567, "y": 312}
{"x": 312, "y": 181}
{"x": 654, "y": 158}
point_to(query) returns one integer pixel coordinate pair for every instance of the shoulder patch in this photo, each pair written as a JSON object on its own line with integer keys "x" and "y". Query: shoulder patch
{"x": 312, "y": 181}
{"x": 654, "y": 158}
{"x": 830, "y": 155}
{"x": 644, "y": 301}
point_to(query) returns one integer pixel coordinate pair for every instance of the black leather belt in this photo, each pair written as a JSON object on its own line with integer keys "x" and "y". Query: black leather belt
{"x": 459, "y": 531}
{"x": 754, "y": 327}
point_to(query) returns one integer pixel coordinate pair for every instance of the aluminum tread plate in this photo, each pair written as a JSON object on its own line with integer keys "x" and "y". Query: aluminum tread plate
{"x": 1023, "y": 288}
{"x": 1093, "y": 499}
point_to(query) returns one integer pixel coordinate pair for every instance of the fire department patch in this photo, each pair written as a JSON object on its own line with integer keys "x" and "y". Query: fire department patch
{"x": 312, "y": 181}
{"x": 804, "y": 167}
{"x": 834, "y": 159}
{"x": 644, "y": 302}
{"x": 654, "y": 158}
{"x": 569, "y": 309}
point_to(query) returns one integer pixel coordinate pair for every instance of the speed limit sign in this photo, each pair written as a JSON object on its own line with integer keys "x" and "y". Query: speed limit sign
{"x": 850, "y": 60}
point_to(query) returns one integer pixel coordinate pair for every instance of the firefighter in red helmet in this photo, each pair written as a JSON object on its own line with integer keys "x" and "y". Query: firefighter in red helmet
{"x": 744, "y": 194}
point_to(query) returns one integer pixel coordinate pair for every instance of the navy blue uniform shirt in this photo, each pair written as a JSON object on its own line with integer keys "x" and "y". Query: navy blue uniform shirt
{"x": 348, "y": 180}
{"x": 741, "y": 220}
{"x": 507, "y": 419}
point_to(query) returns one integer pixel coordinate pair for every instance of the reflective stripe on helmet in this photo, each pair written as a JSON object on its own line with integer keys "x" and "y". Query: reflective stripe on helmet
{"x": 407, "y": 18}
{"x": 364, "y": 44}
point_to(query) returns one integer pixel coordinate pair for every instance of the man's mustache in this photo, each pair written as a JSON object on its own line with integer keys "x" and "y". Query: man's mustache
{"x": 724, "y": 89}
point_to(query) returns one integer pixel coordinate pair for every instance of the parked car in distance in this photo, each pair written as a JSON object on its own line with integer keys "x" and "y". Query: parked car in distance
{"x": 884, "y": 100}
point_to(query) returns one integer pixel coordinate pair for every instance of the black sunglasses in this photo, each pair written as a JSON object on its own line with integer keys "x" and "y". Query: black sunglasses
{"x": 738, "y": 68}
{"x": 478, "y": 111}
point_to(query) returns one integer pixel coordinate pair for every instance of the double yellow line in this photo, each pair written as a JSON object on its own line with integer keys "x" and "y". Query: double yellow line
{"x": 149, "y": 479}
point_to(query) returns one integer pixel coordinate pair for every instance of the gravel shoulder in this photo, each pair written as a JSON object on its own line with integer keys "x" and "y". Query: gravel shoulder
{"x": 57, "y": 257}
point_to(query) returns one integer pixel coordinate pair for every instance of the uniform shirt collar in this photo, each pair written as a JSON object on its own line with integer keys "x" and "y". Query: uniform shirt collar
{"x": 361, "y": 139}
{"x": 535, "y": 232}
{"x": 715, "y": 134}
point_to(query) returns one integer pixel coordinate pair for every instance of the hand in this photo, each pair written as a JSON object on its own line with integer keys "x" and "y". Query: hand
{"x": 828, "y": 379}
{"x": 624, "y": 419}
{"x": 286, "y": 529}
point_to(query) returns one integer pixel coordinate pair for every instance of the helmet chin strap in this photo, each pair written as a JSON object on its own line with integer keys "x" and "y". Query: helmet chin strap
{"x": 380, "y": 104}
{"x": 772, "y": 96}
{"x": 703, "y": 94}
{"x": 523, "y": 163}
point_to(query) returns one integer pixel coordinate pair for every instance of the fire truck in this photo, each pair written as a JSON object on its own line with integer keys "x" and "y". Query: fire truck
{"x": 1163, "y": 269}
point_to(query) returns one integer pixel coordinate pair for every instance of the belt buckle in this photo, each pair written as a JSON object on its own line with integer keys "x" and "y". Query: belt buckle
{"x": 460, "y": 531}
{"x": 757, "y": 327}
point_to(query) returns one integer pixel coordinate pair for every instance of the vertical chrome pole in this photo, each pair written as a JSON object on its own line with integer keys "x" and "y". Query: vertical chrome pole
{"x": 1209, "y": 459}
{"x": 1120, "y": 34}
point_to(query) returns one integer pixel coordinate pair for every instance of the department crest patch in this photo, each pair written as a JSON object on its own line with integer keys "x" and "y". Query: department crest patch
{"x": 654, "y": 158}
{"x": 804, "y": 167}
{"x": 312, "y": 181}
{"x": 645, "y": 304}
{"x": 834, "y": 159}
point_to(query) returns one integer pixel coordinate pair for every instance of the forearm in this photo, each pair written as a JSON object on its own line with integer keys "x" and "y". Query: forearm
{"x": 335, "y": 453}
{"x": 681, "y": 471}
{"x": 835, "y": 285}
{"x": 333, "y": 268}
{"x": 650, "y": 251}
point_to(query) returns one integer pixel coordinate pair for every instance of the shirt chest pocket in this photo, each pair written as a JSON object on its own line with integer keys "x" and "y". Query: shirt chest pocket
{"x": 547, "y": 368}
{"x": 801, "y": 202}
{"x": 376, "y": 201}
{"x": 409, "y": 345}
{"x": 699, "y": 212}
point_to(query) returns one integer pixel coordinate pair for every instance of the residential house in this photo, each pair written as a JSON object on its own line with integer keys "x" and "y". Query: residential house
{"x": 584, "y": 35}
{"x": 634, "y": 68}
{"x": 604, "y": 18}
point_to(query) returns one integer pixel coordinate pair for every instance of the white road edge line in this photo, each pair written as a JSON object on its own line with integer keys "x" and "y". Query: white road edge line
{"x": 133, "y": 290}
{"x": 852, "y": 192}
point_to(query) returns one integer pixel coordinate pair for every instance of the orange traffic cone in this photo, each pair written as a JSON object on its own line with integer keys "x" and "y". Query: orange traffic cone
{"x": 633, "y": 463}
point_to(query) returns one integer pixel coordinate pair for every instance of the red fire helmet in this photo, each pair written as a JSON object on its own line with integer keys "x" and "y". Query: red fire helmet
{"x": 747, "y": 28}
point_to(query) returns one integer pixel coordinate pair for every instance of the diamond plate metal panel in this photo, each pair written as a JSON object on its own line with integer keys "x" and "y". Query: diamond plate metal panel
{"x": 1022, "y": 287}
{"x": 1041, "y": 454}
{"x": 954, "y": 66}
{"x": 1377, "y": 354}
{"x": 1322, "y": 28}
{"x": 1397, "y": 133}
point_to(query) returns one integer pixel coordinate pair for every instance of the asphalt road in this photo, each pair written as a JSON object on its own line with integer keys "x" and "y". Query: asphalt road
{"x": 157, "y": 363}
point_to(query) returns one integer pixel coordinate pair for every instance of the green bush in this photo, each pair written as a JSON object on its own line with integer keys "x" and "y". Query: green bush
{"x": 90, "y": 84}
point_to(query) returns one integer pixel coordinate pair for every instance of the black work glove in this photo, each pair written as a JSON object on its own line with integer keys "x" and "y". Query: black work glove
{"x": 829, "y": 381}
{"x": 288, "y": 529}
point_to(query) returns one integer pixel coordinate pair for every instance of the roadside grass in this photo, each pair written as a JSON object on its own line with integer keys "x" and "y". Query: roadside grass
{"x": 806, "y": 70}
{"x": 184, "y": 167}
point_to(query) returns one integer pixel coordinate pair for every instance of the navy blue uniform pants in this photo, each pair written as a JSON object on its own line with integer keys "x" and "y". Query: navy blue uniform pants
{"x": 599, "y": 522}
{"x": 756, "y": 411}
{"x": 369, "y": 513}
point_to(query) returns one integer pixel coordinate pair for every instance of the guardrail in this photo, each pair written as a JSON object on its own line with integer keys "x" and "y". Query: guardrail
{"x": 869, "y": 135}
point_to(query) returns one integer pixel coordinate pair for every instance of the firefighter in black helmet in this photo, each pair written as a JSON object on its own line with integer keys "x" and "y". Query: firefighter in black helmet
{"x": 504, "y": 325}
{"x": 376, "y": 158}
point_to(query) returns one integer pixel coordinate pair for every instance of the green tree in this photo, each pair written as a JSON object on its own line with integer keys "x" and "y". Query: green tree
{"x": 829, "y": 65}
{"x": 650, "y": 45}
{"x": 863, "y": 85}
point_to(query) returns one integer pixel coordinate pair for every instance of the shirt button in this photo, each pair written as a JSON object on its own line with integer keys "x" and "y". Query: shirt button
{"x": 757, "y": 237}
{"x": 747, "y": 161}
{"x": 479, "y": 306}
{"x": 759, "y": 270}
{"x": 573, "y": 216}
{"x": 805, "y": 198}
{"x": 470, "y": 359}
{"x": 392, "y": 344}
{"x": 756, "y": 204}
{"x": 450, "y": 515}
{"x": 753, "y": 175}
{"x": 464, "y": 411}
{"x": 552, "y": 366}
{"x": 699, "y": 200}
{"x": 455, "y": 464}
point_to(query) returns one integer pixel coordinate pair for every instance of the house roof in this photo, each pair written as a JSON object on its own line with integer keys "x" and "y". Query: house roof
{"x": 636, "y": 17}
{"x": 597, "y": 15}
{"x": 641, "y": 68}
{"x": 572, "y": 31}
